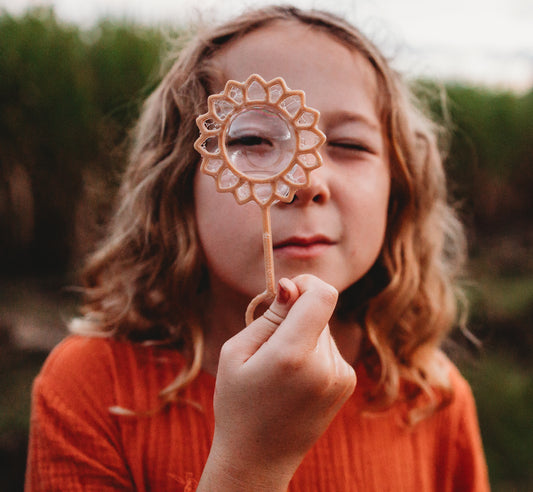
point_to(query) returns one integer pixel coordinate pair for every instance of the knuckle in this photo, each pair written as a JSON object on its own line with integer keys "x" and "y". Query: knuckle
{"x": 306, "y": 277}
{"x": 274, "y": 315}
{"x": 328, "y": 294}
{"x": 349, "y": 379}
{"x": 329, "y": 388}
{"x": 305, "y": 280}
{"x": 289, "y": 361}
{"x": 342, "y": 379}
{"x": 336, "y": 388}
{"x": 227, "y": 349}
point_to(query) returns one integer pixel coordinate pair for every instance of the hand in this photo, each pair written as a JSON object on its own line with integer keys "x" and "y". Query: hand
{"x": 280, "y": 382}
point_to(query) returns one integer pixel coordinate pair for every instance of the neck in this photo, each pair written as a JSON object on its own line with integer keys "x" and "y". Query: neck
{"x": 224, "y": 318}
{"x": 348, "y": 338}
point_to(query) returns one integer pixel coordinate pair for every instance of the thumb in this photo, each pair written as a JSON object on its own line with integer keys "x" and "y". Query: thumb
{"x": 246, "y": 343}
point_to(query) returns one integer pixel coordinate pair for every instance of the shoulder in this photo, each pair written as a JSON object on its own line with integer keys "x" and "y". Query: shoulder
{"x": 461, "y": 436}
{"x": 79, "y": 357}
{"x": 107, "y": 370}
{"x": 461, "y": 392}
{"x": 79, "y": 353}
{"x": 75, "y": 369}
{"x": 459, "y": 415}
{"x": 96, "y": 355}
{"x": 452, "y": 392}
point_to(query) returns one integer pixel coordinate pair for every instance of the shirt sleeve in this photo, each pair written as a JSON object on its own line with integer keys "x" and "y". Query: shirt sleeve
{"x": 73, "y": 439}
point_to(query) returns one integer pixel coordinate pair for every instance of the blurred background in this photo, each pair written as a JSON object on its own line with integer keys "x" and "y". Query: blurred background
{"x": 72, "y": 78}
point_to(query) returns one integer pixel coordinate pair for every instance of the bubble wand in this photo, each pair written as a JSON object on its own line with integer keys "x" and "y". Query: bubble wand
{"x": 260, "y": 141}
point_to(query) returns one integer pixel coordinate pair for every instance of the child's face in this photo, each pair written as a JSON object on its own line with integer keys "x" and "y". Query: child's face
{"x": 335, "y": 228}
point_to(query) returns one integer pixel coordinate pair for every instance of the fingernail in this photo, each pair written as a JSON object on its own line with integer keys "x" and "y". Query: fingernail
{"x": 284, "y": 293}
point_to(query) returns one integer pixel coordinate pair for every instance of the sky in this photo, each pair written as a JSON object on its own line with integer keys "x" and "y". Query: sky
{"x": 485, "y": 42}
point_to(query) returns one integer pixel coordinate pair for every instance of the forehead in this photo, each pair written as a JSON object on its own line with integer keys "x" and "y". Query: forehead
{"x": 307, "y": 58}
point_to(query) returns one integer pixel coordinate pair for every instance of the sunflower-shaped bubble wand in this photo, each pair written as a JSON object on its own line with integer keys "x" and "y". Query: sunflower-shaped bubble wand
{"x": 259, "y": 141}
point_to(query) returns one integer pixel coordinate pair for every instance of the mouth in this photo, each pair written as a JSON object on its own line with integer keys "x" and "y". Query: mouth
{"x": 303, "y": 246}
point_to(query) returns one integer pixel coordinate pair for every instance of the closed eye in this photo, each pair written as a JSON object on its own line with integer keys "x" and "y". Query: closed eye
{"x": 351, "y": 146}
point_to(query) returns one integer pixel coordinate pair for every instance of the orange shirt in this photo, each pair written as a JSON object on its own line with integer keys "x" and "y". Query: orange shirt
{"x": 76, "y": 444}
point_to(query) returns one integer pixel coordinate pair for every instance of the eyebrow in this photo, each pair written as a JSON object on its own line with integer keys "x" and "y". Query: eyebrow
{"x": 343, "y": 116}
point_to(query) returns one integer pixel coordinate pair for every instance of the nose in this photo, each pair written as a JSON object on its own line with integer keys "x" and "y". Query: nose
{"x": 318, "y": 190}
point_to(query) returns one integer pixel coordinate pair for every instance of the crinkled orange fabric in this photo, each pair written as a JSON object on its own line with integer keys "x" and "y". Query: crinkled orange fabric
{"x": 76, "y": 444}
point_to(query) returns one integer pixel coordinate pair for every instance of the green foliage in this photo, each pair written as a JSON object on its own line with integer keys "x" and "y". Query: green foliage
{"x": 504, "y": 395}
{"x": 123, "y": 60}
{"x": 490, "y": 163}
{"x": 66, "y": 98}
{"x": 45, "y": 108}
{"x": 492, "y": 154}
{"x": 18, "y": 371}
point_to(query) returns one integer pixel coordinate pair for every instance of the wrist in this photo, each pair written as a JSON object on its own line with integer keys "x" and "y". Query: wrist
{"x": 241, "y": 473}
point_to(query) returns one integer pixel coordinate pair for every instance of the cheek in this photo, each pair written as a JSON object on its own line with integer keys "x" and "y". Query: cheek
{"x": 213, "y": 213}
{"x": 368, "y": 190}
{"x": 225, "y": 228}
{"x": 379, "y": 205}
{"x": 378, "y": 209}
{"x": 369, "y": 203}
{"x": 231, "y": 239}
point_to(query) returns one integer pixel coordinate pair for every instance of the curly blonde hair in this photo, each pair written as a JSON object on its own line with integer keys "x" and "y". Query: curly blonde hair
{"x": 406, "y": 304}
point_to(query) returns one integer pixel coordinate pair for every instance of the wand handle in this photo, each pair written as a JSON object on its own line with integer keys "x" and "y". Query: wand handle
{"x": 270, "y": 293}
{"x": 268, "y": 253}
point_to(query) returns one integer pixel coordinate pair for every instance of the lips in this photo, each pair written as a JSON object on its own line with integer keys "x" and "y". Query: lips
{"x": 303, "y": 242}
{"x": 303, "y": 247}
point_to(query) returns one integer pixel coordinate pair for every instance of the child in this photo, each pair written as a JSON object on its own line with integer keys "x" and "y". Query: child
{"x": 132, "y": 405}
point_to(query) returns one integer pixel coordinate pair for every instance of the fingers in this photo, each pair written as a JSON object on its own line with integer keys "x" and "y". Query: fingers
{"x": 287, "y": 294}
{"x": 310, "y": 313}
{"x": 296, "y": 318}
{"x": 248, "y": 341}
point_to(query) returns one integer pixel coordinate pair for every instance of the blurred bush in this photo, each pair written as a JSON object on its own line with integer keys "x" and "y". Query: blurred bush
{"x": 67, "y": 99}
{"x": 491, "y": 156}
